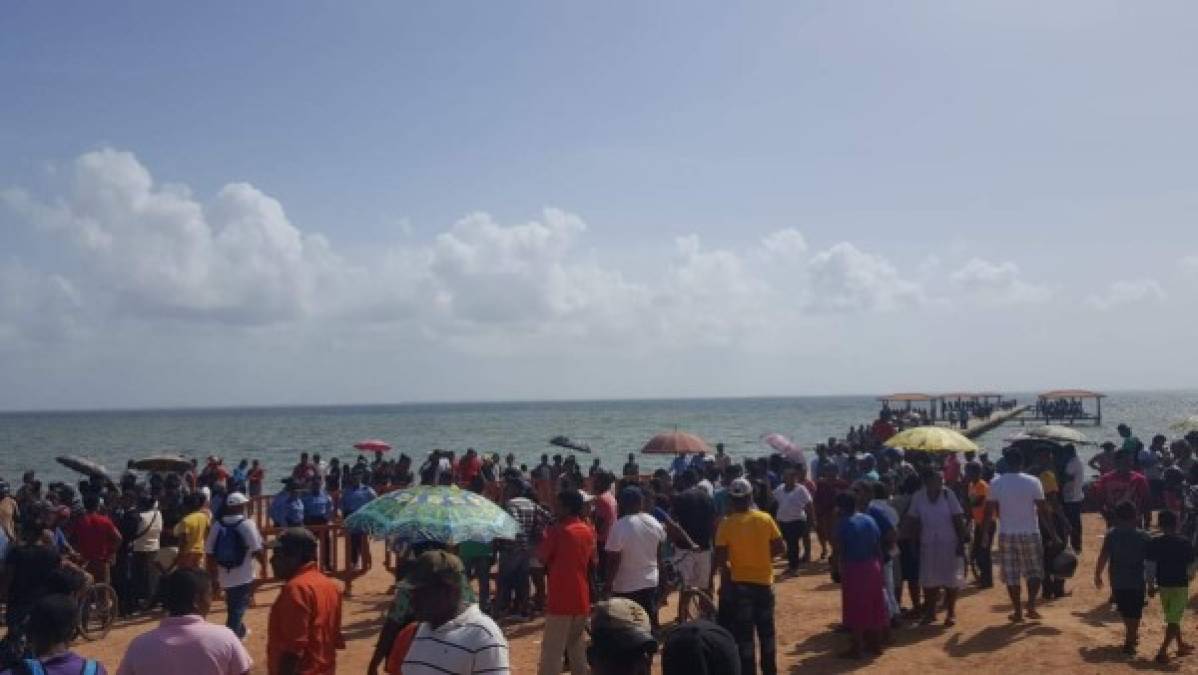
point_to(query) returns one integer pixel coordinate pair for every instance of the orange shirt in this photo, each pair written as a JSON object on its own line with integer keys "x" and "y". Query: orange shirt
{"x": 978, "y": 492}
{"x": 306, "y": 620}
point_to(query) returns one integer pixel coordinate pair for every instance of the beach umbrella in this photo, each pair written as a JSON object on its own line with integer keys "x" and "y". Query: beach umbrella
{"x": 1185, "y": 426}
{"x": 675, "y": 442}
{"x": 85, "y": 466}
{"x": 164, "y": 463}
{"x": 1057, "y": 434}
{"x": 785, "y": 447}
{"x": 434, "y": 513}
{"x": 931, "y": 439}
{"x": 373, "y": 445}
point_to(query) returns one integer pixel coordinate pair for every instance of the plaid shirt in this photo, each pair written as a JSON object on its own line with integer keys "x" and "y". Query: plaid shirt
{"x": 532, "y": 517}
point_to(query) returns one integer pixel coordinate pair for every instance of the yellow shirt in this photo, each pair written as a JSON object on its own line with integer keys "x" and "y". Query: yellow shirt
{"x": 1048, "y": 480}
{"x": 747, "y": 536}
{"x": 192, "y": 531}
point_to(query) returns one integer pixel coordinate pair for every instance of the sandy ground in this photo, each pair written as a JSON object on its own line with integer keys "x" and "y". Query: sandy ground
{"x": 1078, "y": 634}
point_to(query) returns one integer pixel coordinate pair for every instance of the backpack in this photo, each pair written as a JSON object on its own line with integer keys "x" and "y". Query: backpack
{"x": 230, "y": 548}
{"x": 34, "y": 667}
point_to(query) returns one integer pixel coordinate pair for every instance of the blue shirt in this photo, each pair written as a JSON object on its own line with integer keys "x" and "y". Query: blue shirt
{"x": 860, "y": 539}
{"x": 318, "y": 505}
{"x": 285, "y": 511}
{"x": 356, "y": 498}
{"x": 680, "y": 464}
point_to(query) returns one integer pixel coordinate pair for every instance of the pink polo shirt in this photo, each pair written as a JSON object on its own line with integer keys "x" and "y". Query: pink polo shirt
{"x": 186, "y": 644}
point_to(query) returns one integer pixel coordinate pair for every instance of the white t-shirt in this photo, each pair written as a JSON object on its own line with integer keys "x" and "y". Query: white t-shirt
{"x": 1073, "y": 490}
{"x": 792, "y": 505}
{"x": 243, "y": 573}
{"x": 150, "y": 530}
{"x": 1016, "y": 495}
{"x": 636, "y": 538}
{"x": 466, "y": 644}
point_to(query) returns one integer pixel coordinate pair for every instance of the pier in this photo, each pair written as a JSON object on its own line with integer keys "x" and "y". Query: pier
{"x": 977, "y": 427}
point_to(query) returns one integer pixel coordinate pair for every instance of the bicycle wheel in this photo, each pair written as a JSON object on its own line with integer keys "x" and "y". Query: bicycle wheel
{"x": 97, "y": 612}
{"x": 696, "y": 604}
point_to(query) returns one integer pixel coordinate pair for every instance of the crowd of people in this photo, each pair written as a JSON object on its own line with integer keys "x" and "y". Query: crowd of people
{"x": 596, "y": 555}
{"x": 1060, "y": 409}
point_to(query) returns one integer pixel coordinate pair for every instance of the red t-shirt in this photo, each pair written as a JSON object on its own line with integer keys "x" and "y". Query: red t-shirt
{"x": 882, "y": 431}
{"x": 566, "y": 550}
{"x": 94, "y": 536}
{"x": 1114, "y": 488}
{"x": 468, "y": 468}
{"x": 604, "y": 507}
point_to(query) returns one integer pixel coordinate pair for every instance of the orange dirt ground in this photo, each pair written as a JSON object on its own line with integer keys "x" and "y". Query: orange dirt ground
{"x": 1078, "y": 634}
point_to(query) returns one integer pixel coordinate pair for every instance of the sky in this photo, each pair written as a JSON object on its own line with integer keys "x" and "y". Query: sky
{"x": 305, "y": 203}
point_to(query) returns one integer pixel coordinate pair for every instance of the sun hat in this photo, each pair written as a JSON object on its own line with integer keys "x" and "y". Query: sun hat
{"x": 236, "y": 499}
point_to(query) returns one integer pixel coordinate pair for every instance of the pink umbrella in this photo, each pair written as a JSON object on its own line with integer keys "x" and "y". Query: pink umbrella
{"x": 674, "y": 443}
{"x": 373, "y": 445}
{"x": 785, "y": 446}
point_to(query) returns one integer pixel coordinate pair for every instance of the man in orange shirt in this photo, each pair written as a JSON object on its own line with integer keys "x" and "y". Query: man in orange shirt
{"x": 983, "y": 533}
{"x": 304, "y": 632}
{"x": 568, "y": 551}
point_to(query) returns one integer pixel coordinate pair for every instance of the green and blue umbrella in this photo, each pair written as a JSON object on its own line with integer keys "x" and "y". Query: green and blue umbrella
{"x": 427, "y": 513}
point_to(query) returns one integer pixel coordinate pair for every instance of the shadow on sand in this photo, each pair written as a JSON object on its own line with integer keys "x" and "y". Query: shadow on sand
{"x": 993, "y": 638}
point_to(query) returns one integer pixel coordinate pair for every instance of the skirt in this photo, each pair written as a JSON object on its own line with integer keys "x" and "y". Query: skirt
{"x": 940, "y": 566}
{"x": 862, "y": 596}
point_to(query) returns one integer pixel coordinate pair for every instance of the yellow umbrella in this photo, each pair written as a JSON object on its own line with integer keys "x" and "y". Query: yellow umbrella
{"x": 931, "y": 439}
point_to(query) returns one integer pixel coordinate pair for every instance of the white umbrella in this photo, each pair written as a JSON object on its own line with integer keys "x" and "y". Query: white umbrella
{"x": 1057, "y": 433}
{"x": 1185, "y": 426}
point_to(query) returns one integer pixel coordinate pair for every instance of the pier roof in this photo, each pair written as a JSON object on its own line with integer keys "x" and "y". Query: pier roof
{"x": 1072, "y": 393}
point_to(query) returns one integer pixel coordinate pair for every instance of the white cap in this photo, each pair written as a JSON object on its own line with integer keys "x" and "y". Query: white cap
{"x": 207, "y": 492}
{"x": 236, "y": 499}
{"x": 740, "y": 487}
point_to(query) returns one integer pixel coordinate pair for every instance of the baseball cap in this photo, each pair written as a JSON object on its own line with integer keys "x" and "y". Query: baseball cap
{"x": 207, "y": 492}
{"x": 700, "y": 648}
{"x": 295, "y": 539}
{"x": 236, "y": 499}
{"x": 740, "y": 487}
{"x": 621, "y": 625}
{"x": 630, "y": 495}
{"x": 435, "y": 568}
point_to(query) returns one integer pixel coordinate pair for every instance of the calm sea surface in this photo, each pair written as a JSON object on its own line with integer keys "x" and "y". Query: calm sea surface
{"x": 612, "y": 428}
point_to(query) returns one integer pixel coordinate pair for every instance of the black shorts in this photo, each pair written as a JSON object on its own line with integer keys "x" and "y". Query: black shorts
{"x": 1130, "y": 602}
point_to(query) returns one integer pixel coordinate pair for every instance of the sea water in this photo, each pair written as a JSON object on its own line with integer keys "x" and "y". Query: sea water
{"x": 276, "y": 436}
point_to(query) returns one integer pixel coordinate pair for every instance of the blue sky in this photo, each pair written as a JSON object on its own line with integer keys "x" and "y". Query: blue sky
{"x": 1005, "y": 176}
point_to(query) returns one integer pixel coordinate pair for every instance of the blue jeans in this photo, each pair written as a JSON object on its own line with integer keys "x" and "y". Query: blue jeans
{"x": 237, "y": 599}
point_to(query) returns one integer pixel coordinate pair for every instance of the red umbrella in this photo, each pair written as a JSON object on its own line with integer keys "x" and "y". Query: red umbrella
{"x": 373, "y": 445}
{"x": 674, "y": 443}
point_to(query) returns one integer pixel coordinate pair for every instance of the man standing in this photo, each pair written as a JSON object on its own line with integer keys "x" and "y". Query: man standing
{"x": 1122, "y": 485}
{"x": 318, "y": 511}
{"x": 1017, "y": 500}
{"x": 515, "y": 560}
{"x": 603, "y": 512}
{"x": 983, "y": 532}
{"x": 746, "y": 544}
{"x": 356, "y": 496}
{"x": 568, "y": 552}
{"x": 287, "y": 507}
{"x": 304, "y": 630}
{"x": 192, "y": 532}
{"x": 454, "y": 637}
{"x": 184, "y": 642}
{"x": 796, "y": 511}
{"x": 693, "y": 509}
{"x": 9, "y": 512}
{"x": 233, "y": 544}
{"x": 634, "y": 553}
{"x": 96, "y": 539}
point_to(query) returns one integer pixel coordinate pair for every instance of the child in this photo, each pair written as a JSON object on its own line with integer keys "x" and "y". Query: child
{"x": 1172, "y": 555}
{"x": 1124, "y": 548}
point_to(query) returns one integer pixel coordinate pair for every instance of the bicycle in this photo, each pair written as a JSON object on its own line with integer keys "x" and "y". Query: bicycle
{"x": 97, "y": 612}
{"x": 693, "y": 602}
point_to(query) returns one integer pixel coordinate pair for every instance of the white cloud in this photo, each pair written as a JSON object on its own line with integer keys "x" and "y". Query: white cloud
{"x": 785, "y": 245}
{"x": 844, "y": 278}
{"x": 1122, "y": 293}
{"x": 159, "y": 251}
{"x": 36, "y": 306}
{"x": 997, "y": 283}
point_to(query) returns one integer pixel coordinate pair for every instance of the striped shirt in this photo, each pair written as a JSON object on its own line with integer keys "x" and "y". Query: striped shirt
{"x": 468, "y": 644}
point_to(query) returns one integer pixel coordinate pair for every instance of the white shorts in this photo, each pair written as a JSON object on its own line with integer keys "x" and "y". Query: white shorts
{"x": 694, "y": 567}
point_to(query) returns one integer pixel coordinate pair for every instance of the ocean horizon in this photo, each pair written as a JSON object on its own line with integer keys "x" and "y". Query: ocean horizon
{"x": 276, "y": 434}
